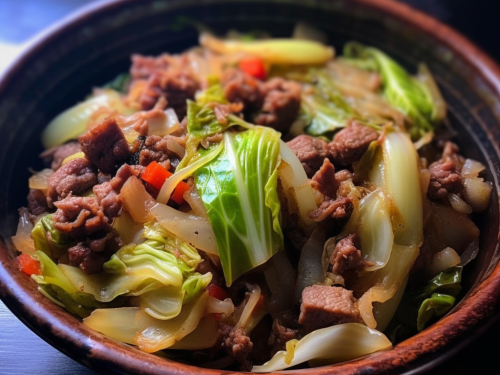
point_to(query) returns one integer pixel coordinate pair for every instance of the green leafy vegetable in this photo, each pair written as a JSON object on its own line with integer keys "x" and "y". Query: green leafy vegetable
{"x": 325, "y": 108}
{"x": 420, "y": 305}
{"x": 57, "y": 287}
{"x": 48, "y": 239}
{"x": 239, "y": 190}
{"x": 404, "y": 92}
{"x": 435, "y": 306}
{"x": 119, "y": 83}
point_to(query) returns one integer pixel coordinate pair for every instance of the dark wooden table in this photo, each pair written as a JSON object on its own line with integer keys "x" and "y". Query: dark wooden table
{"x": 23, "y": 352}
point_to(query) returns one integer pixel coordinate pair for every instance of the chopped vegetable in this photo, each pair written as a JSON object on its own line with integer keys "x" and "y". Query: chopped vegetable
{"x": 253, "y": 66}
{"x": 246, "y": 215}
{"x": 275, "y": 51}
{"x": 406, "y": 93}
{"x": 329, "y": 345}
{"x": 28, "y": 265}
{"x": 156, "y": 175}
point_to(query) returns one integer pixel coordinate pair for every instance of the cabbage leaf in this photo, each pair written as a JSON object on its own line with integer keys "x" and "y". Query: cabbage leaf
{"x": 132, "y": 325}
{"x": 403, "y": 91}
{"x": 48, "y": 239}
{"x": 54, "y": 285}
{"x": 334, "y": 344}
{"x": 239, "y": 191}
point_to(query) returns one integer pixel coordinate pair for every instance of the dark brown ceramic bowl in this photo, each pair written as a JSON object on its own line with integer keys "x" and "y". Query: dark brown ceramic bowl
{"x": 91, "y": 47}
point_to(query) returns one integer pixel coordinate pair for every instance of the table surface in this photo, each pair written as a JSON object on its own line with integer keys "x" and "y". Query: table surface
{"x": 23, "y": 352}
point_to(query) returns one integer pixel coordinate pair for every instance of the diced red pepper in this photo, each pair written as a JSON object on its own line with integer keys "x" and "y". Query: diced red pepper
{"x": 155, "y": 175}
{"x": 253, "y": 66}
{"x": 28, "y": 265}
{"x": 216, "y": 291}
{"x": 178, "y": 193}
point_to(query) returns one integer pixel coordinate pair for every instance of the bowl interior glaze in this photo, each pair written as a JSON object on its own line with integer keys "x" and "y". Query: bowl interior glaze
{"x": 92, "y": 47}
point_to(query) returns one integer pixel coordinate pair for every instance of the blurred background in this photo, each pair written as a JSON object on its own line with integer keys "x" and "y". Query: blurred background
{"x": 22, "y": 352}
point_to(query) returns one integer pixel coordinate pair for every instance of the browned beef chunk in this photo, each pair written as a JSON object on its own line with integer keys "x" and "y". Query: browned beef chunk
{"x": 237, "y": 345}
{"x": 445, "y": 174}
{"x": 105, "y": 146}
{"x": 58, "y": 154}
{"x": 82, "y": 256}
{"x": 347, "y": 256}
{"x": 281, "y": 104}
{"x": 76, "y": 177}
{"x": 339, "y": 208}
{"x": 166, "y": 76}
{"x": 311, "y": 152}
{"x": 156, "y": 149}
{"x": 350, "y": 143}
{"x": 37, "y": 202}
{"x": 107, "y": 193}
{"x": 80, "y": 216}
{"x": 326, "y": 181}
{"x": 324, "y": 306}
{"x": 240, "y": 87}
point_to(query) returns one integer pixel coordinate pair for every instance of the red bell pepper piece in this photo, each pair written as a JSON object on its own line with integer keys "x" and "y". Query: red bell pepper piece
{"x": 253, "y": 66}
{"x": 28, "y": 265}
{"x": 155, "y": 175}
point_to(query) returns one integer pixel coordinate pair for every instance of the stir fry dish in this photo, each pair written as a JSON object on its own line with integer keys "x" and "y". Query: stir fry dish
{"x": 255, "y": 203}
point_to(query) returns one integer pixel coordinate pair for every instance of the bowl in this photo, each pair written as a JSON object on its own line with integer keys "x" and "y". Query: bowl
{"x": 90, "y": 47}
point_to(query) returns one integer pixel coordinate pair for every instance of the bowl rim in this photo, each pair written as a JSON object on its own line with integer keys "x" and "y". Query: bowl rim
{"x": 101, "y": 350}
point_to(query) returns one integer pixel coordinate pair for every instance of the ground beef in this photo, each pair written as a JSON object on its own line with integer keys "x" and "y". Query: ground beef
{"x": 350, "y": 143}
{"x": 237, "y": 344}
{"x": 76, "y": 176}
{"x": 37, "y": 202}
{"x": 156, "y": 149}
{"x": 338, "y": 209}
{"x": 80, "y": 216}
{"x": 347, "y": 256}
{"x": 82, "y": 256}
{"x": 222, "y": 111}
{"x": 280, "y": 334}
{"x": 324, "y": 306}
{"x": 311, "y": 152}
{"x": 326, "y": 181}
{"x": 445, "y": 174}
{"x": 58, "y": 154}
{"x": 166, "y": 76}
{"x": 107, "y": 193}
{"x": 240, "y": 87}
{"x": 281, "y": 104}
{"x": 105, "y": 145}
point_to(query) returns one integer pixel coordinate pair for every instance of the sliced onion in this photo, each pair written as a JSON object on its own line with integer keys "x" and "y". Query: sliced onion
{"x": 22, "y": 240}
{"x": 174, "y": 146}
{"x": 195, "y": 230}
{"x": 136, "y": 200}
{"x": 169, "y": 185}
{"x": 194, "y": 200}
{"x": 293, "y": 176}
{"x": 216, "y": 306}
{"x": 40, "y": 180}
{"x": 446, "y": 258}
{"x": 471, "y": 168}
{"x": 477, "y": 193}
{"x": 459, "y": 204}
{"x": 255, "y": 294}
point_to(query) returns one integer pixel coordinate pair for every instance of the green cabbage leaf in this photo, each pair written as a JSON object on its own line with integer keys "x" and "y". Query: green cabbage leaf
{"x": 403, "y": 91}
{"x": 239, "y": 191}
